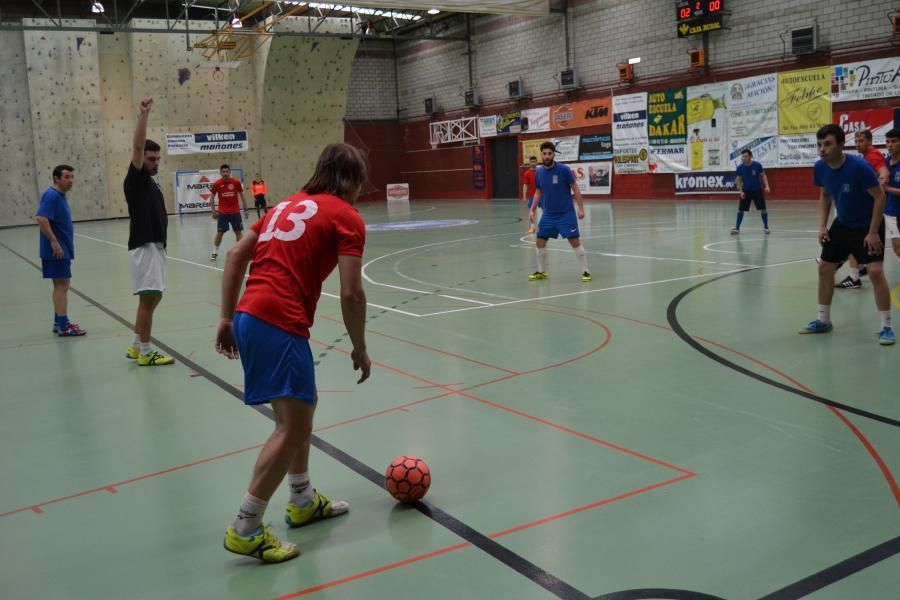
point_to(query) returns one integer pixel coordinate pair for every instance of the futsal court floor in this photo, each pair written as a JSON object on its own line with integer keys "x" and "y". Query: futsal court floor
{"x": 660, "y": 432}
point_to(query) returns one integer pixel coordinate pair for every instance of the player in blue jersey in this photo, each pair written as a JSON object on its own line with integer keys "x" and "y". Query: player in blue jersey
{"x": 892, "y": 188}
{"x": 751, "y": 179}
{"x": 554, "y": 186}
{"x": 858, "y": 228}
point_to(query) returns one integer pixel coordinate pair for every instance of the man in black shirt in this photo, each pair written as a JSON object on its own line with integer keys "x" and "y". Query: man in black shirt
{"x": 146, "y": 239}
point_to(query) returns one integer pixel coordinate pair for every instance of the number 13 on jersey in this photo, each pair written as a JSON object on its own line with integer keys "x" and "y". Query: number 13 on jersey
{"x": 293, "y": 221}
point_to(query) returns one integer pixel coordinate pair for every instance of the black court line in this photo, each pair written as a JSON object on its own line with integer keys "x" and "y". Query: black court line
{"x": 518, "y": 563}
{"x": 672, "y": 317}
{"x": 845, "y": 568}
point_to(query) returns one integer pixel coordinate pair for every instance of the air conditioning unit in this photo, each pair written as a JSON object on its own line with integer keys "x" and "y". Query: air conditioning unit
{"x": 469, "y": 98}
{"x": 698, "y": 58}
{"x": 626, "y": 72}
{"x": 805, "y": 40}
{"x": 515, "y": 88}
{"x": 430, "y": 105}
{"x": 567, "y": 80}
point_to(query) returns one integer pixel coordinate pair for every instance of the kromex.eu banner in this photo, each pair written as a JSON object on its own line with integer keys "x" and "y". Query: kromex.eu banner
{"x": 706, "y": 183}
{"x": 206, "y": 143}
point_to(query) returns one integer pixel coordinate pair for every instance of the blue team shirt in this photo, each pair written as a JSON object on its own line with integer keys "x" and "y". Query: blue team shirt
{"x": 892, "y": 208}
{"x": 848, "y": 187}
{"x": 750, "y": 176}
{"x": 55, "y": 208}
{"x": 555, "y": 184}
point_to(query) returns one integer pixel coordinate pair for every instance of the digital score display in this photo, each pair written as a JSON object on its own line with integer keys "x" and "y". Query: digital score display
{"x": 688, "y": 10}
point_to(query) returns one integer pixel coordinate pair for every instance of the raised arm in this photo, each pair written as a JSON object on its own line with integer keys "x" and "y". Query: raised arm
{"x": 140, "y": 134}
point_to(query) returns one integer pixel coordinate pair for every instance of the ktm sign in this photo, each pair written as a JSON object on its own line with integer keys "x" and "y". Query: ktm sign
{"x": 586, "y": 113}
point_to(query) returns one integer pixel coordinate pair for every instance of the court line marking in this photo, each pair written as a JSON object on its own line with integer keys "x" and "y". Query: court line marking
{"x": 618, "y": 287}
{"x": 212, "y": 268}
{"x": 660, "y": 258}
{"x": 738, "y": 239}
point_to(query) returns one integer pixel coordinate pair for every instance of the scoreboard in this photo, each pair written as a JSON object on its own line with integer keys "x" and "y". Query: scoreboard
{"x": 688, "y": 10}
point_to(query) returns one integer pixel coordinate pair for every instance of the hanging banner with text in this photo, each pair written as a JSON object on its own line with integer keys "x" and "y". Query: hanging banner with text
{"x": 707, "y": 113}
{"x": 804, "y": 100}
{"x": 206, "y": 143}
{"x": 797, "y": 150}
{"x": 509, "y": 123}
{"x": 878, "y": 78}
{"x": 487, "y": 126}
{"x": 192, "y": 189}
{"x": 536, "y": 120}
{"x": 595, "y": 147}
{"x": 593, "y": 177}
{"x": 586, "y": 113}
{"x": 478, "y": 167}
{"x": 877, "y": 120}
{"x": 706, "y": 183}
{"x": 667, "y": 117}
{"x": 631, "y": 146}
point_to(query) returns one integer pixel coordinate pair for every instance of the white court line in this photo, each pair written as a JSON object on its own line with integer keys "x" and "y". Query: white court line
{"x": 619, "y": 287}
{"x": 708, "y": 249}
{"x": 196, "y": 264}
{"x": 689, "y": 260}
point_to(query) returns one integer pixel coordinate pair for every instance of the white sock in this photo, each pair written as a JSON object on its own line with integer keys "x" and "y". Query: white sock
{"x": 301, "y": 492}
{"x": 135, "y": 341}
{"x": 885, "y": 318}
{"x": 824, "y": 313}
{"x": 854, "y": 273}
{"x": 145, "y": 348}
{"x": 541, "y": 257}
{"x": 582, "y": 258}
{"x": 250, "y": 516}
{"x": 215, "y": 249}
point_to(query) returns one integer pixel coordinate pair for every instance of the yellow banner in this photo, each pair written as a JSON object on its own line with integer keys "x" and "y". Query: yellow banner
{"x": 532, "y": 148}
{"x": 804, "y": 100}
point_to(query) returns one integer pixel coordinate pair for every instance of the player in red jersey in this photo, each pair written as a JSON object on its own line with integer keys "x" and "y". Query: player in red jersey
{"x": 229, "y": 212}
{"x": 293, "y": 249}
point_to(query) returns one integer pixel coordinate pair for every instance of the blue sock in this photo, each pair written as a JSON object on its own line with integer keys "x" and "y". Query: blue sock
{"x": 765, "y": 218}
{"x": 62, "y": 320}
{"x": 740, "y": 218}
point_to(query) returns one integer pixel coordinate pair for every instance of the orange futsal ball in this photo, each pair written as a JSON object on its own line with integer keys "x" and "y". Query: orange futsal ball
{"x": 407, "y": 478}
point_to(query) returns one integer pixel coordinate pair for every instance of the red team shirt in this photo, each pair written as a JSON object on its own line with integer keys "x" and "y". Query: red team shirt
{"x": 875, "y": 159}
{"x": 228, "y": 195}
{"x": 529, "y": 181}
{"x": 298, "y": 247}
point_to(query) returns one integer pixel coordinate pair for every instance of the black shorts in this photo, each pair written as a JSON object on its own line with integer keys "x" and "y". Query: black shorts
{"x": 845, "y": 241}
{"x": 260, "y": 201}
{"x": 759, "y": 201}
{"x": 231, "y": 220}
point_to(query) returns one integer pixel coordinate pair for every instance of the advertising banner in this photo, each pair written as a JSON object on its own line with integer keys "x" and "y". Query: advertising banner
{"x": 509, "y": 122}
{"x": 706, "y": 183}
{"x": 192, "y": 193}
{"x": 631, "y": 145}
{"x": 586, "y": 113}
{"x": 878, "y": 78}
{"x": 797, "y": 150}
{"x": 595, "y": 147}
{"x": 877, "y": 120}
{"x": 593, "y": 177}
{"x": 206, "y": 143}
{"x": 487, "y": 126}
{"x": 535, "y": 120}
{"x": 667, "y": 117}
{"x": 804, "y": 100}
{"x": 707, "y": 111}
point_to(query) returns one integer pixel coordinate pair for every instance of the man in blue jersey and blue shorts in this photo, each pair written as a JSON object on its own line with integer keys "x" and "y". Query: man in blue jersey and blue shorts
{"x": 58, "y": 246}
{"x": 751, "y": 179}
{"x": 858, "y": 227}
{"x": 892, "y": 188}
{"x": 554, "y": 186}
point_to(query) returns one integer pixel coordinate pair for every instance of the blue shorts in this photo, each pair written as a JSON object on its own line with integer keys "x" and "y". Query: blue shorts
{"x": 57, "y": 268}
{"x": 553, "y": 226}
{"x": 234, "y": 220}
{"x": 277, "y": 363}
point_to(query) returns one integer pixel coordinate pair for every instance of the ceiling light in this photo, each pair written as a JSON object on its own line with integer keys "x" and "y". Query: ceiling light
{"x": 634, "y": 61}
{"x": 97, "y": 8}
{"x": 236, "y": 22}
{"x": 433, "y": 11}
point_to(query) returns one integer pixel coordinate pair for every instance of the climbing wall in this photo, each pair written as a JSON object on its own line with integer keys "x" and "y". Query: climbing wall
{"x": 18, "y": 194}
{"x": 119, "y": 111}
{"x": 64, "y": 90}
{"x": 304, "y": 99}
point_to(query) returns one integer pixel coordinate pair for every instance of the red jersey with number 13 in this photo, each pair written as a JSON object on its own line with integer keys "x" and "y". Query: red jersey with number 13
{"x": 298, "y": 247}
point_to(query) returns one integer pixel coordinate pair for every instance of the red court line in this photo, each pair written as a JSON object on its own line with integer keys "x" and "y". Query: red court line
{"x": 873, "y": 453}
{"x": 113, "y": 487}
{"x": 497, "y": 535}
{"x": 438, "y": 350}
